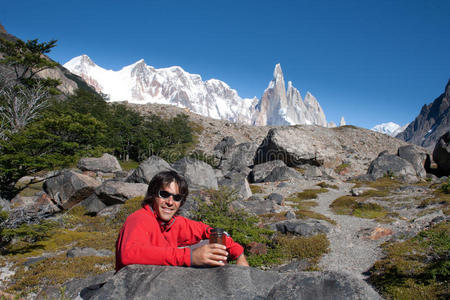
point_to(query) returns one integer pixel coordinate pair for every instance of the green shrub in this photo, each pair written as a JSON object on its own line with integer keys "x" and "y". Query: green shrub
{"x": 299, "y": 247}
{"x": 417, "y": 268}
{"x": 445, "y": 188}
{"x": 24, "y": 236}
{"x": 216, "y": 211}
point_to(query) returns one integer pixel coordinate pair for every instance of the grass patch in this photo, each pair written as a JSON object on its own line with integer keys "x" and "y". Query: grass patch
{"x": 307, "y": 214}
{"x": 31, "y": 189}
{"x": 75, "y": 229}
{"x": 344, "y": 205}
{"x": 303, "y": 206}
{"x": 375, "y": 193}
{"x": 57, "y": 270}
{"x": 418, "y": 268}
{"x": 306, "y": 195}
{"x": 325, "y": 185}
{"x": 353, "y": 206}
{"x": 128, "y": 165}
{"x": 256, "y": 189}
{"x": 383, "y": 183}
{"x": 369, "y": 211}
{"x": 440, "y": 195}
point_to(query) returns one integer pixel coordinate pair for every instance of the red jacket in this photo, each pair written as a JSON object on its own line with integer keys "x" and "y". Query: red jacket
{"x": 142, "y": 240}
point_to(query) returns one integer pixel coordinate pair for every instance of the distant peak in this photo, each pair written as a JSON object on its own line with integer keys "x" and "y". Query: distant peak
{"x": 80, "y": 62}
{"x": 86, "y": 60}
{"x": 277, "y": 72}
{"x": 141, "y": 61}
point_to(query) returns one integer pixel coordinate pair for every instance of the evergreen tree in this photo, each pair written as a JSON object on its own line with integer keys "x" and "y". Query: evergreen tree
{"x": 48, "y": 143}
{"x": 26, "y": 58}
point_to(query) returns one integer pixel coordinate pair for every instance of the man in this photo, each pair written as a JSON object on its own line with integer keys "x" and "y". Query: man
{"x": 156, "y": 235}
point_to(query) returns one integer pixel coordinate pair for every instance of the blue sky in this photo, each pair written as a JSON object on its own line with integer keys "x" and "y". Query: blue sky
{"x": 369, "y": 61}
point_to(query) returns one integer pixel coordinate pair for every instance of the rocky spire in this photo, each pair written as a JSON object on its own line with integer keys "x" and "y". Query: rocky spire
{"x": 315, "y": 111}
{"x": 273, "y": 104}
{"x": 278, "y": 107}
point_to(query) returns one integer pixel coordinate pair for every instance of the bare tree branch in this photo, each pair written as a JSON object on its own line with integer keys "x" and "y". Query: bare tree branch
{"x": 22, "y": 105}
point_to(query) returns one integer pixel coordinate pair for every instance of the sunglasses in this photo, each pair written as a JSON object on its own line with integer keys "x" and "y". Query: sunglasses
{"x": 165, "y": 195}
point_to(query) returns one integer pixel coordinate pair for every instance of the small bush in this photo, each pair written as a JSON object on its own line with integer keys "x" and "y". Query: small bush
{"x": 24, "y": 236}
{"x": 417, "y": 268}
{"x": 311, "y": 248}
{"x": 217, "y": 212}
{"x": 445, "y": 188}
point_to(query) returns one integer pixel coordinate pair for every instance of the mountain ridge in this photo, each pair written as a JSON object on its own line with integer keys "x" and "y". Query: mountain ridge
{"x": 141, "y": 83}
{"x": 431, "y": 123}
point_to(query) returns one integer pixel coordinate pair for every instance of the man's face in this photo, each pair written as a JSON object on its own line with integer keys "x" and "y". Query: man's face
{"x": 167, "y": 207}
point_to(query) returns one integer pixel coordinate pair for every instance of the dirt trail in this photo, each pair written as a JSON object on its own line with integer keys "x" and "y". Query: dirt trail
{"x": 348, "y": 252}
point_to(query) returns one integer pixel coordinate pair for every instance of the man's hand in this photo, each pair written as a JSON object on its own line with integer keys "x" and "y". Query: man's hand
{"x": 242, "y": 261}
{"x": 211, "y": 255}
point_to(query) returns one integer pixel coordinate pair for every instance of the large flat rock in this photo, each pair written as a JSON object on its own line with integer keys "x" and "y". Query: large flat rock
{"x": 229, "y": 282}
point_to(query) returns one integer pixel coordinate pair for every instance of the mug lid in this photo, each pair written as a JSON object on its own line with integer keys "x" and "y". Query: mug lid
{"x": 217, "y": 230}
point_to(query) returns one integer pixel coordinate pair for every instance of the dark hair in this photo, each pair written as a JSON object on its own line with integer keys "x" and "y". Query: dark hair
{"x": 161, "y": 180}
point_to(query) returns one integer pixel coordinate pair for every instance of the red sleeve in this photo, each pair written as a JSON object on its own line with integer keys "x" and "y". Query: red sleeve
{"x": 133, "y": 246}
{"x": 198, "y": 231}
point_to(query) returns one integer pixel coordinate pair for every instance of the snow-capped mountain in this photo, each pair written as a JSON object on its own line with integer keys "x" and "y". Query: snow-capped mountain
{"x": 389, "y": 128}
{"x": 140, "y": 83}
